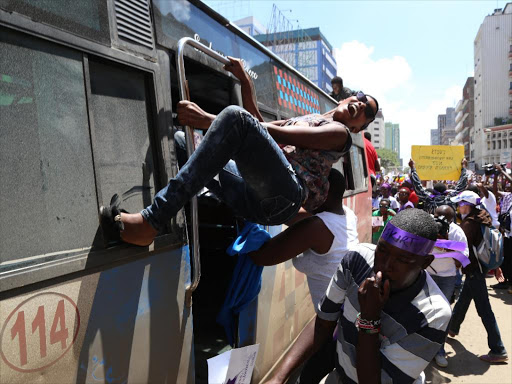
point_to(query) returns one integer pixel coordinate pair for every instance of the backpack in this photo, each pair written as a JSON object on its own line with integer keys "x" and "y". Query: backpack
{"x": 504, "y": 219}
{"x": 490, "y": 251}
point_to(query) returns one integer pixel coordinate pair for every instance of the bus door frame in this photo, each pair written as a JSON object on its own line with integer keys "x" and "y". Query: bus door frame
{"x": 189, "y": 137}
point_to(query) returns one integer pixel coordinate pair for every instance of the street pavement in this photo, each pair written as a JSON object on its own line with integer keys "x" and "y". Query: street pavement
{"x": 464, "y": 366}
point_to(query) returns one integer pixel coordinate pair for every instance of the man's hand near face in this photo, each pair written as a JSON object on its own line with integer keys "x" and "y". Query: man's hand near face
{"x": 372, "y": 295}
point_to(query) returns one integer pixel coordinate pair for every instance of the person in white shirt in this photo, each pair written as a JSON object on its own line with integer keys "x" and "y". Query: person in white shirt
{"x": 385, "y": 191}
{"x": 443, "y": 270}
{"x": 316, "y": 244}
{"x": 488, "y": 200}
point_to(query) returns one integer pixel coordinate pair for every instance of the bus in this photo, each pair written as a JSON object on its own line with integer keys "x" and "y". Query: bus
{"x": 88, "y": 91}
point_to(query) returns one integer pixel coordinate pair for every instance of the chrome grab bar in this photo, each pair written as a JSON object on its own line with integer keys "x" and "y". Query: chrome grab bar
{"x": 189, "y": 136}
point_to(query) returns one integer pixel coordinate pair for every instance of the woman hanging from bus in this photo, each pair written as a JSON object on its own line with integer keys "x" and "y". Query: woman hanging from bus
{"x": 267, "y": 171}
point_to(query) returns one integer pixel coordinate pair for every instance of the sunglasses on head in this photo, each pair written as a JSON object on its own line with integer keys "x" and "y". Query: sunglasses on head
{"x": 368, "y": 110}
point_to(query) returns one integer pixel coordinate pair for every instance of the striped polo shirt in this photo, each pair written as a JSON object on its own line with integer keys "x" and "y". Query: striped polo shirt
{"x": 414, "y": 321}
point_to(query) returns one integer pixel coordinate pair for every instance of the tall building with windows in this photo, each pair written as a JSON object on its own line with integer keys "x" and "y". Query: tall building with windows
{"x": 446, "y": 126}
{"x": 392, "y": 137}
{"x": 493, "y": 81}
{"x": 464, "y": 118}
{"x": 251, "y": 26}
{"x": 498, "y": 145}
{"x": 320, "y": 66}
{"x": 376, "y": 128}
{"x": 434, "y": 137}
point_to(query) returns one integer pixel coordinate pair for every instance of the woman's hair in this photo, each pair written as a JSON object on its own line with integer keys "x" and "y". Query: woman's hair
{"x": 376, "y": 104}
{"x": 417, "y": 222}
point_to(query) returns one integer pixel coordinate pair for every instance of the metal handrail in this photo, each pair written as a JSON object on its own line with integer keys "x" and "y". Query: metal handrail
{"x": 189, "y": 138}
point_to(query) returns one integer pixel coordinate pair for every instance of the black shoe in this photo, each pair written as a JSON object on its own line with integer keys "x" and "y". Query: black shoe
{"x": 504, "y": 285}
{"x": 110, "y": 221}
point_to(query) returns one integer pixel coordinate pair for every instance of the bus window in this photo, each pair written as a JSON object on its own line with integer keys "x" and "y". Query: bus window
{"x": 87, "y": 18}
{"x": 268, "y": 116}
{"x": 355, "y": 171}
{"x": 177, "y": 19}
{"x": 47, "y": 190}
{"x": 261, "y": 71}
{"x": 360, "y": 172}
{"x": 121, "y": 120}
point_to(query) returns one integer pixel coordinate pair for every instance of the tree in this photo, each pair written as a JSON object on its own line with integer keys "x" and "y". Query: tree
{"x": 388, "y": 158}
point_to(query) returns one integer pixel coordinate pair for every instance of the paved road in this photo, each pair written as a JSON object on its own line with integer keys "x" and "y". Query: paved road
{"x": 464, "y": 366}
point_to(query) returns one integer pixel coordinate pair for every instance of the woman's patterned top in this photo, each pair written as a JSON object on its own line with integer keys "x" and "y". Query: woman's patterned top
{"x": 312, "y": 166}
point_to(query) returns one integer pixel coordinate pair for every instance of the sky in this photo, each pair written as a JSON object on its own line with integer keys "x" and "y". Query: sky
{"x": 413, "y": 56}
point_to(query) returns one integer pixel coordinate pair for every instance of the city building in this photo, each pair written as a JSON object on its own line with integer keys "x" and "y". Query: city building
{"x": 446, "y": 126}
{"x": 492, "y": 82}
{"x": 376, "y": 128}
{"x": 251, "y": 26}
{"x": 498, "y": 144}
{"x": 314, "y": 58}
{"x": 441, "y": 122}
{"x": 464, "y": 119}
{"x": 434, "y": 137}
{"x": 392, "y": 137}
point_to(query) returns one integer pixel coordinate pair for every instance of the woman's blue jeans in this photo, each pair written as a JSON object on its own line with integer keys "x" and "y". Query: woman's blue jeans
{"x": 476, "y": 289}
{"x": 255, "y": 178}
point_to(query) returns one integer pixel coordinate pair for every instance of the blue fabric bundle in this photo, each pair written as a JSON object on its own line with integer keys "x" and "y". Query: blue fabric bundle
{"x": 246, "y": 280}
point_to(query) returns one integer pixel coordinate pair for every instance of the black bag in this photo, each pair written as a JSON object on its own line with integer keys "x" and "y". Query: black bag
{"x": 504, "y": 219}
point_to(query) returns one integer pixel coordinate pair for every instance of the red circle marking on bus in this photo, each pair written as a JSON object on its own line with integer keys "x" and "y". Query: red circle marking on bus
{"x": 4, "y": 358}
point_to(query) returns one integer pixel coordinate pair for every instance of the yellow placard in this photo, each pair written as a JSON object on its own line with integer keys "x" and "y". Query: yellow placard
{"x": 438, "y": 162}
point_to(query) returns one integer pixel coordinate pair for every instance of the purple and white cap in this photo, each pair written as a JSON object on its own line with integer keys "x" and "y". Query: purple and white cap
{"x": 466, "y": 197}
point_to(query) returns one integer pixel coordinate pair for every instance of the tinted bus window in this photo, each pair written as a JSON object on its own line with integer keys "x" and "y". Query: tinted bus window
{"x": 47, "y": 194}
{"x": 360, "y": 173}
{"x": 261, "y": 71}
{"x": 178, "y": 18}
{"x": 87, "y": 18}
{"x": 122, "y": 146}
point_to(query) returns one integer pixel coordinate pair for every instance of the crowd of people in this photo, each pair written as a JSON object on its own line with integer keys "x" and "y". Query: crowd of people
{"x": 383, "y": 309}
{"x": 473, "y": 202}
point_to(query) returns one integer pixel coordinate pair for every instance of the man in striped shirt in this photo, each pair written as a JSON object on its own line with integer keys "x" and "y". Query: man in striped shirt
{"x": 392, "y": 318}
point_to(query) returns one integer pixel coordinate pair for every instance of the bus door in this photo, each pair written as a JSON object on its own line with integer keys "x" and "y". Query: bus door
{"x": 211, "y": 224}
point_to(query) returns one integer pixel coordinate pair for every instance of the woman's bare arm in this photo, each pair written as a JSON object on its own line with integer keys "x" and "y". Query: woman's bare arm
{"x": 330, "y": 137}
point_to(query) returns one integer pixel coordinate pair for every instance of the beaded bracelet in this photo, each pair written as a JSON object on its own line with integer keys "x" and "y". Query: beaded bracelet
{"x": 367, "y": 326}
{"x": 372, "y": 323}
{"x": 370, "y": 331}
